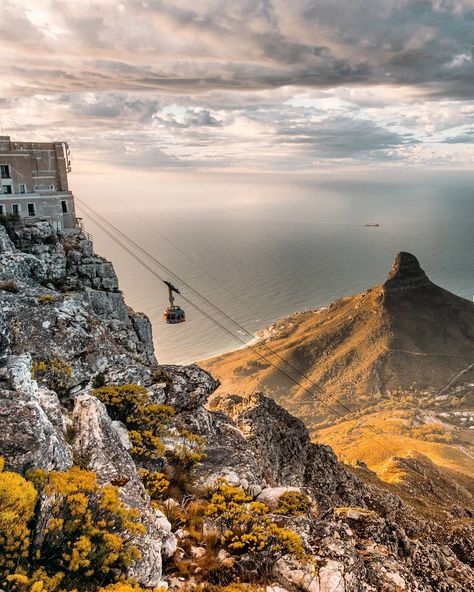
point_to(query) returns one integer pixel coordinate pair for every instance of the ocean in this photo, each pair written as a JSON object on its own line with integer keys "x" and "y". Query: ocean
{"x": 263, "y": 247}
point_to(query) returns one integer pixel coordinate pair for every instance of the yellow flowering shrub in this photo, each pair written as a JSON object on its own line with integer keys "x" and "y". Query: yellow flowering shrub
{"x": 86, "y": 530}
{"x": 129, "y": 587}
{"x": 293, "y": 503}
{"x": 155, "y": 483}
{"x": 245, "y": 526}
{"x": 17, "y": 505}
{"x": 55, "y": 373}
{"x": 145, "y": 421}
{"x": 39, "y": 581}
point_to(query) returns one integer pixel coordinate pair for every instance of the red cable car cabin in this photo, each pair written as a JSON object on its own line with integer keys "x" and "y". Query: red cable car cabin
{"x": 173, "y": 314}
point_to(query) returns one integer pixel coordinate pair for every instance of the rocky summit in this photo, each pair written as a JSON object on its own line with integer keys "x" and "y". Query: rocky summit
{"x": 118, "y": 475}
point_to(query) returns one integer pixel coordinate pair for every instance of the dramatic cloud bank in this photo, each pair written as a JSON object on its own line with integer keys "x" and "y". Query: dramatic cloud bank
{"x": 254, "y": 84}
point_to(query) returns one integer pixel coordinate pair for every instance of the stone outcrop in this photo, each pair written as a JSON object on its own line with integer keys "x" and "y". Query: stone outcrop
{"x": 66, "y": 303}
{"x": 31, "y": 435}
{"x": 406, "y": 274}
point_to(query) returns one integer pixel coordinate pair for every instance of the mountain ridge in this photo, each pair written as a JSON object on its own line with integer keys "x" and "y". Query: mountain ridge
{"x": 400, "y": 353}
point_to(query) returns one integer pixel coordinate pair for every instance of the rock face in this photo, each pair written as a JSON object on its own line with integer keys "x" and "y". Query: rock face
{"x": 66, "y": 303}
{"x": 406, "y": 274}
{"x": 29, "y": 436}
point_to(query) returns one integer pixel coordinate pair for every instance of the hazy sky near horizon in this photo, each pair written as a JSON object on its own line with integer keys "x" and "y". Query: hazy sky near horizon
{"x": 252, "y": 85}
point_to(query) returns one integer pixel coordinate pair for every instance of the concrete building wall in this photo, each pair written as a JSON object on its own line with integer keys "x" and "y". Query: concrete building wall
{"x": 35, "y": 173}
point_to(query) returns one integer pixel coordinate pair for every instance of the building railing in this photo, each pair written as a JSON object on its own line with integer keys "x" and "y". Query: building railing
{"x": 35, "y": 194}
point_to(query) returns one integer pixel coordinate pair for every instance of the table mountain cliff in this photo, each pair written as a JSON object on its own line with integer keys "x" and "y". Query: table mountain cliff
{"x": 116, "y": 476}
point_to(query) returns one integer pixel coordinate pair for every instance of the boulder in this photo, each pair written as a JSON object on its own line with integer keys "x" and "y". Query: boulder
{"x": 29, "y": 439}
{"x": 184, "y": 387}
{"x": 293, "y": 574}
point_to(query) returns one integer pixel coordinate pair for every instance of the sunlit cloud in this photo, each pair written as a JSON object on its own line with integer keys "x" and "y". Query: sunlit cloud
{"x": 254, "y": 84}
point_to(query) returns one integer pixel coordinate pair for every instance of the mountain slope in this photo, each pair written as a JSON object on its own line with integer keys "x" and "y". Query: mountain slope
{"x": 396, "y": 360}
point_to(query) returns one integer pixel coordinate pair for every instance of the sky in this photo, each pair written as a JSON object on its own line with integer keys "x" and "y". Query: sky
{"x": 250, "y": 85}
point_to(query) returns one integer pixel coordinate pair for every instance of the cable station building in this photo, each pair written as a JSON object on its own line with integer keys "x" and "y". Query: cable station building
{"x": 33, "y": 181}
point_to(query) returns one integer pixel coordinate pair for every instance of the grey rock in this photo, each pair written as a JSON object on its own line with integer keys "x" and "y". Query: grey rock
{"x": 28, "y": 438}
{"x": 188, "y": 387}
{"x": 98, "y": 442}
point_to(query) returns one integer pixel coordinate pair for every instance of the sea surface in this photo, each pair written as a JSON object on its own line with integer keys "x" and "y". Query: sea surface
{"x": 260, "y": 249}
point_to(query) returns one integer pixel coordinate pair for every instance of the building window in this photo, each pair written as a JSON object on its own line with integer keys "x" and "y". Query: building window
{"x": 7, "y": 189}
{"x": 64, "y": 207}
{"x": 22, "y": 188}
{"x": 5, "y": 171}
{"x": 16, "y": 209}
{"x": 31, "y": 209}
{"x": 2, "y": 210}
{"x": 44, "y": 187}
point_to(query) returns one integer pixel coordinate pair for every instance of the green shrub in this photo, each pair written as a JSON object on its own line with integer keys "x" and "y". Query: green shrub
{"x": 98, "y": 380}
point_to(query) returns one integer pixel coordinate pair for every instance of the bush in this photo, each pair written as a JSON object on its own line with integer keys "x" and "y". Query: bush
{"x": 184, "y": 458}
{"x": 47, "y": 299}
{"x": 155, "y": 483}
{"x": 55, "y": 373}
{"x": 79, "y": 538}
{"x": 145, "y": 421}
{"x": 293, "y": 503}
{"x": 17, "y": 504}
{"x": 245, "y": 527}
{"x": 9, "y": 286}
{"x": 129, "y": 587}
{"x": 86, "y": 531}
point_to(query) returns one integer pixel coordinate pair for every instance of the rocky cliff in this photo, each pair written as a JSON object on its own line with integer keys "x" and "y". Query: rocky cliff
{"x": 80, "y": 390}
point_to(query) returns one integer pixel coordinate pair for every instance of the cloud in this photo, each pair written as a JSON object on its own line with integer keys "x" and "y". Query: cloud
{"x": 255, "y": 83}
{"x": 161, "y": 45}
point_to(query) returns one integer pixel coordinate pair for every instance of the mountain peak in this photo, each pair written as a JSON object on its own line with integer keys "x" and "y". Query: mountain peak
{"x": 406, "y": 274}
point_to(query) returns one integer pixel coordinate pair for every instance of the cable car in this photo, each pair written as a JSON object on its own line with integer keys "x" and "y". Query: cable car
{"x": 173, "y": 314}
